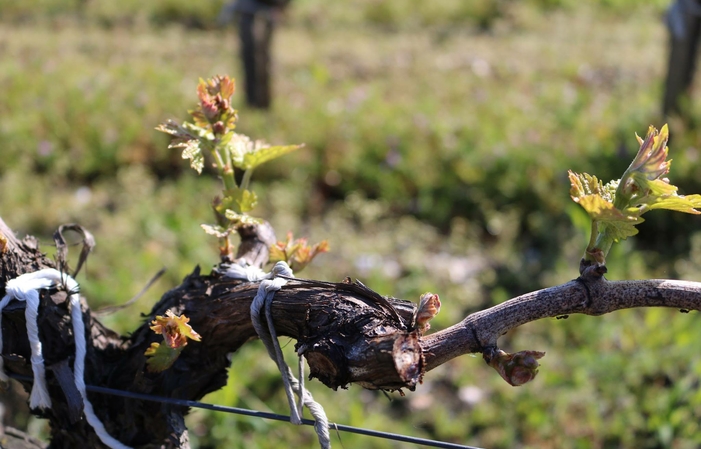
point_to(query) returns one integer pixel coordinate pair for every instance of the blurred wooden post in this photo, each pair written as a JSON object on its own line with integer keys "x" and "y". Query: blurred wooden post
{"x": 684, "y": 22}
{"x": 255, "y": 33}
{"x": 256, "y": 21}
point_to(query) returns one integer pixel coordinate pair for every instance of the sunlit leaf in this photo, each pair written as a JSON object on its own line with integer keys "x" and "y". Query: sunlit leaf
{"x": 613, "y": 222}
{"x": 660, "y": 194}
{"x": 192, "y": 151}
{"x": 277, "y": 254}
{"x": 172, "y": 128}
{"x": 616, "y": 208}
{"x": 265, "y": 154}
{"x": 247, "y": 154}
{"x": 619, "y": 230}
{"x": 216, "y": 230}
{"x": 296, "y": 253}
{"x": 601, "y": 210}
{"x": 238, "y": 219}
{"x": 655, "y": 187}
{"x": 651, "y": 158}
{"x": 188, "y": 138}
{"x": 226, "y": 86}
{"x": 198, "y": 131}
{"x": 583, "y": 184}
{"x": 174, "y": 329}
{"x": 680, "y": 203}
{"x": 245, "y": 200}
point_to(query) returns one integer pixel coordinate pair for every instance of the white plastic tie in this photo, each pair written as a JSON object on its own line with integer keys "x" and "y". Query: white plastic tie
{"x": 26, "y": 288}
{"x": 270, "y": 283}
{"x": 245, "y": 272}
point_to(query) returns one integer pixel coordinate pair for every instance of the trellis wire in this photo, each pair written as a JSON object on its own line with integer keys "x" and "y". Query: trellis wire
{"x": 264, "y": 415}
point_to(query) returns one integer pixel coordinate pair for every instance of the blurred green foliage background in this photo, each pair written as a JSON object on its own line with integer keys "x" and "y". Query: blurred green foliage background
{"x": 438, "y": 136}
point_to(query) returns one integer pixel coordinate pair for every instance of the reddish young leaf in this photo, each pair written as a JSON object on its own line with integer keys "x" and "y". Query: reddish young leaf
{"x": 174, "y": 329}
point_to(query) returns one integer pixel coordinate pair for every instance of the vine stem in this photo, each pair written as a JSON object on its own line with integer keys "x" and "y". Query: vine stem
{"x": 592, "y": 241}
{"x": 246, "y": 181}
{"x": 590, "y": 294}
{"x": 225, "y": 171}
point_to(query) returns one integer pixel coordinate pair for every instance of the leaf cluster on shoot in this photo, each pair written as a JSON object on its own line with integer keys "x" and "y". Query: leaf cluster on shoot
{"x": 296, "y": 252}
{"x": 212, "y": 133}
{"x": 615, "y": 208}
{"x": 175, "y": 332}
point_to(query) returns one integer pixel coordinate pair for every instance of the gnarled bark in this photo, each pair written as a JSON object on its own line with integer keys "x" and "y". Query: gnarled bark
{"x": 347, "y": 332}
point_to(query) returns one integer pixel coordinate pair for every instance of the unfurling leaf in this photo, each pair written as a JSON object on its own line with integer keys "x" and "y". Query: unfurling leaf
{"x": 652, "y": 155}
{"x": 214, "y": 110}
{"x": 599, "y": 208}
{"x": 174, "y": 329}
{"x": 584, "y": 184}
{"x": 660, "y": 194}
{"x": 188, "y": 140}
{"x": 216, "y": 230}
{"x": 296, "y": 253}
{"x": 175, "y": 130}
{"x": 597, "y": 200}
{"x": 212, "y": 135}
{"x": 161, "y": 357}
{"x": 238, "y": 219}
{"x": 278, "y": 253}
{"x": 616, "y": 208}
{"x": 193, "y": 152}
{"x": 245, "y": 200}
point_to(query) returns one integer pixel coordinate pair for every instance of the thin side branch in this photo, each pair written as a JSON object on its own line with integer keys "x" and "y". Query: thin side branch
{"x": 590, "y": 294}
{"x": 347, "y": 333}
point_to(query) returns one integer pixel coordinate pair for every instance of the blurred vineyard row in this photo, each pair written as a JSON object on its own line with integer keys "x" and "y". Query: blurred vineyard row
{"x": 395, "y": 14}
{"x": 438, "y": 136}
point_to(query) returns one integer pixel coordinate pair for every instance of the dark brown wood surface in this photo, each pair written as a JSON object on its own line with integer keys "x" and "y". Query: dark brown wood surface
{"x": 347, "y": 332}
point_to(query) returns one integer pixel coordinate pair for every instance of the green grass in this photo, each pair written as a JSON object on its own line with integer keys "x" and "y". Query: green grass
{"x": 437, "y": 144}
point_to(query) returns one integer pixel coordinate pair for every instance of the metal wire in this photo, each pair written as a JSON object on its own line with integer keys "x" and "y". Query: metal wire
{"x": 265, "y": 415}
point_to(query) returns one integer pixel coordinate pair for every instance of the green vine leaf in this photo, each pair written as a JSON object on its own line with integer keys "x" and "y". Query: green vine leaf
{"x": 174, "y": 329}
{"x": 659, "y": 194}
{"x": 219, "y": 232}
{"x": 297, "y": 253}
{"x": 617, "y": 224}
{"x": 616, "y": 207}
{"x": 212, "y": 133}
{"x": 584, "y": 184}
{"x": 238, "y": 219}
{"x": 247, "y": 154}
{"x": 244, "y": 199}
{"x": 183, "y": 138}
{"x": 193, "y": 151}
{"x": 266, "y": 153}
{"x": 618, "y": 230}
